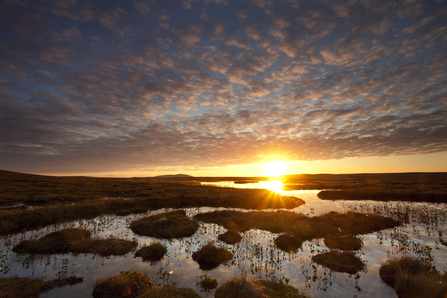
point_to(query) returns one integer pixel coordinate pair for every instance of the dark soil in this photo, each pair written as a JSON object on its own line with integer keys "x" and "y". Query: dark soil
{"x": 340, "y": 261}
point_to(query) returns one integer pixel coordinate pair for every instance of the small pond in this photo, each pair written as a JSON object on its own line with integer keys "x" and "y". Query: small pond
{"x": 255, "y": 256}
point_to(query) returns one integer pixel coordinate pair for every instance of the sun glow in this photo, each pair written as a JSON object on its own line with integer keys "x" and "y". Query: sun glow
{"x": 275, "y": 168}
{"x": 274, "y": 185}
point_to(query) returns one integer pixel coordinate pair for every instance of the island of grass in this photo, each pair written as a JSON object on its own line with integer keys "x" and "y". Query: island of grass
{"x": 126, "y": 284}
{"x": 210, "y": 256}
{"x": 377, "y": 195}
{"x": 230, "y": 237}
{"x": 165, "y": 225}
{"x": 208, "y": 283}
{"x": 25, "y": 287}
{"x": 299, "y": 227}
{"x": 243, "y": 287}
{"x": 346, "y": 242}
{"x": 346, "y": 262}
{"x": 412, "y": 277}
{"x": 75, "y": 240}
{"x": 169, "y": 291}
{"x": 154, "y": 252}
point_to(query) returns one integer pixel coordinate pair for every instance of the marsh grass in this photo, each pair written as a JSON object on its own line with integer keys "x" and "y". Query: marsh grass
{"x": 74, "y": 240}
{"x": 154, "y": 252}
{"x": 169, "y": 291}
{"x": 211, "y": 256}
{"x": 126, "y": 284}
{"x": 230, "y": 237}
{"x": 288, "y": 242}
{"x": 346, "y": 262}
{"x": 346, "y": 242}
{"x": 135, "y": 210}
{"x": 361, "y": 195}
{"x": 244, "y": 288}
{"x": 165, "y": 225}
{"x": 412, "y": 277}
{"x": 24, "y": 287}
{"x": 208, "y": 283}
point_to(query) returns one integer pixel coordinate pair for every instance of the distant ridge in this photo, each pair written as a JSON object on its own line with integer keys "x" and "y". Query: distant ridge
{"x": 174, "y": 176}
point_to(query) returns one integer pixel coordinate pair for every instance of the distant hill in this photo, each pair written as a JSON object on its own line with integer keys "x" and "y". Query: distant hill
{"x": 174, "y": 176}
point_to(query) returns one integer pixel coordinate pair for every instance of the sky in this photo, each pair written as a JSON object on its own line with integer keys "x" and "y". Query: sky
{"x": 221, "y": 87}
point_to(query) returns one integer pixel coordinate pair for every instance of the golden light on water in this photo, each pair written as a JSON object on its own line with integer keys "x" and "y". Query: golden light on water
{"x": 274, "y": 185}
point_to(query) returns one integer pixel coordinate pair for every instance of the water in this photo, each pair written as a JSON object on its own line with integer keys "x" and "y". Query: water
{"x": 255, "y": 256}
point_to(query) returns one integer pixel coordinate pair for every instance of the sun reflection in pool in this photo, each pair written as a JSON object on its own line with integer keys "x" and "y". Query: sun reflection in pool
{"x": 274, "y": 185}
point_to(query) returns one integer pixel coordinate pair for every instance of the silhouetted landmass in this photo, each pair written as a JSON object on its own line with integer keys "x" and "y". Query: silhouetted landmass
{"x": 174, "y": 176}
{"x": 382, "y": 196}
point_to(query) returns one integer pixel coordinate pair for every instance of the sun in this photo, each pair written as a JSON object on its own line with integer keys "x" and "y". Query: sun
{"x": 275, "y": 168}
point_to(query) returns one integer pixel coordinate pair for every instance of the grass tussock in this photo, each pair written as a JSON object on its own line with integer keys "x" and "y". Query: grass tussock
{"x": 208, "y": 283}
{"x": 346, "y": 262}
{"x": 154, "y": 252}
{"x": 297, "y": 226}
{"x": 377, "y": 195}
{"x": 346, "y": 242}
{"x": 210, "y": 256}
{"x": 169, "y": 291}
{"x": 413, "y": 278}
{"x": 127, "y": 284}
{"x": 244, "y": 288}
{"x": 135, "y": 210}
{"x": 56, "y": 242}
{"x": 25, "y": 287}
{"x": 230, "y": 237}
{"x": 166, "y": 225}
{"x": 76, "y": 241}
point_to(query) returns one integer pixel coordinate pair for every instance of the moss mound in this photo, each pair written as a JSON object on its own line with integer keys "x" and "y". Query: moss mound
{"x": 340, "y": 261}
{"x": 230, "y": 237}
{"x": 153, "y": 252}
{"x": 343, "y": 242}
{"x": 413, "y": 278}
{"x": 127, "y": 284}
{"x": 210, "y": 256}
{"x": 104, "y": 247}
{"x": 166, "y": 225}
{"x": 24, "y": 287}
{"x": 56, "y": 242}
{"x": 245, "y": 288}
{"x": 170, "y": 291}
{"x": 289, "y": 242}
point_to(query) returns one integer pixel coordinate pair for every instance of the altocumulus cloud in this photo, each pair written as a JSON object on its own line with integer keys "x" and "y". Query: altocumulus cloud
{"x": 106, "y": 85}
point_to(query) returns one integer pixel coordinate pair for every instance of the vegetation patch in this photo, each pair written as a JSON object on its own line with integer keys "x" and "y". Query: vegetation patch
{"x": 77, "y": 241}
{"x": 340, "y": 261}
{"x": 412, "y": 277}
{"x": 166, "y": 225}
{"x": 358, "y": 195}
{"x": 24, "y": 287}
{"x": 243, "y": 287}
{"x": 288, "y": 242}
{"x": 210, "y": 256}
{"x": 346, "y": 242}
{"x": 230, "y": 237}
{"x": 56, "y": 242}
{"x": 153, "y": 252}
{"x": 135, "y": 210}
{"x": 127, "y": 284}
{"x": 208, "y": 283}
{"x": 169, "y": 291}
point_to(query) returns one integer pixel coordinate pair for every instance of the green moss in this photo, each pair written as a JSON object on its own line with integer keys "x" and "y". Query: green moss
{"x": 346, "y": 262}
{"x": 153, "y": 252}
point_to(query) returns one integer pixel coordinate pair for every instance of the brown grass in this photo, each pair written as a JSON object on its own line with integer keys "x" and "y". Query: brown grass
{"x": 413, "y": 278}
{"x": 340, "y": 261}
{"x": 244, "y": 288}
{"x": 210, "y": 256}
{"x": 169, "y": 291}
{"x": 127, "y": 284}
{"x": 166, "y": 225}
{"x": 208, "y": 283}
{"x": 230, "y": 237}
{"x": 346, "y": 242}
{"x": 25, "y": 287}
{"x": 154, "y": 252}
{"x": 361, "y": 195}
{"x": 104, "y": 247}
{"x": 288, "y": 242}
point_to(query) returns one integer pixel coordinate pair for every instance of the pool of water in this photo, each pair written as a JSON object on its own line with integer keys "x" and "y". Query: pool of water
{"x": 255, "y": 256}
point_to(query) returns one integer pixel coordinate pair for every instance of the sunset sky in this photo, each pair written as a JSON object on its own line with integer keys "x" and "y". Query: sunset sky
{"x": 222, "y": 88}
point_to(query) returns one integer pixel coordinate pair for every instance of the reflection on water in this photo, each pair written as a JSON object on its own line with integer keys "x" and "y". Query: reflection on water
{"x": 255, "y": 256}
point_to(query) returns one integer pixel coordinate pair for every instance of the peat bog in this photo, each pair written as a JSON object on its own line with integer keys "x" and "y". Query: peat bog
{"x": 289, "y": 252}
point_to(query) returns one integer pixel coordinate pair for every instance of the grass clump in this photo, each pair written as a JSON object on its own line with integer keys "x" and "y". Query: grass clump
{"x": 24, "y": 287}
{"x": 135, "y": 210}
{"x": 127, "y": 284}
{"x": 346, "y": 242}
{"x": 210, "y": 256}
{"x": 412, "y": 277}
{"x": 288, "y": 242}
{"x": 208, "y": 283}
{"x": 166, "y": 225}
{"x": 230, "y": 237}
{"x": 104, "y": 247}
{"x": 75, "y": 240}
{"x": 362, "y": 195}
{"x": 340, "y": 261}
{"x": 56, "y": 242}
{"x": 153, "y": 252}
{"x": 244, "y": 288}
{"x": 169, "y": 291}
